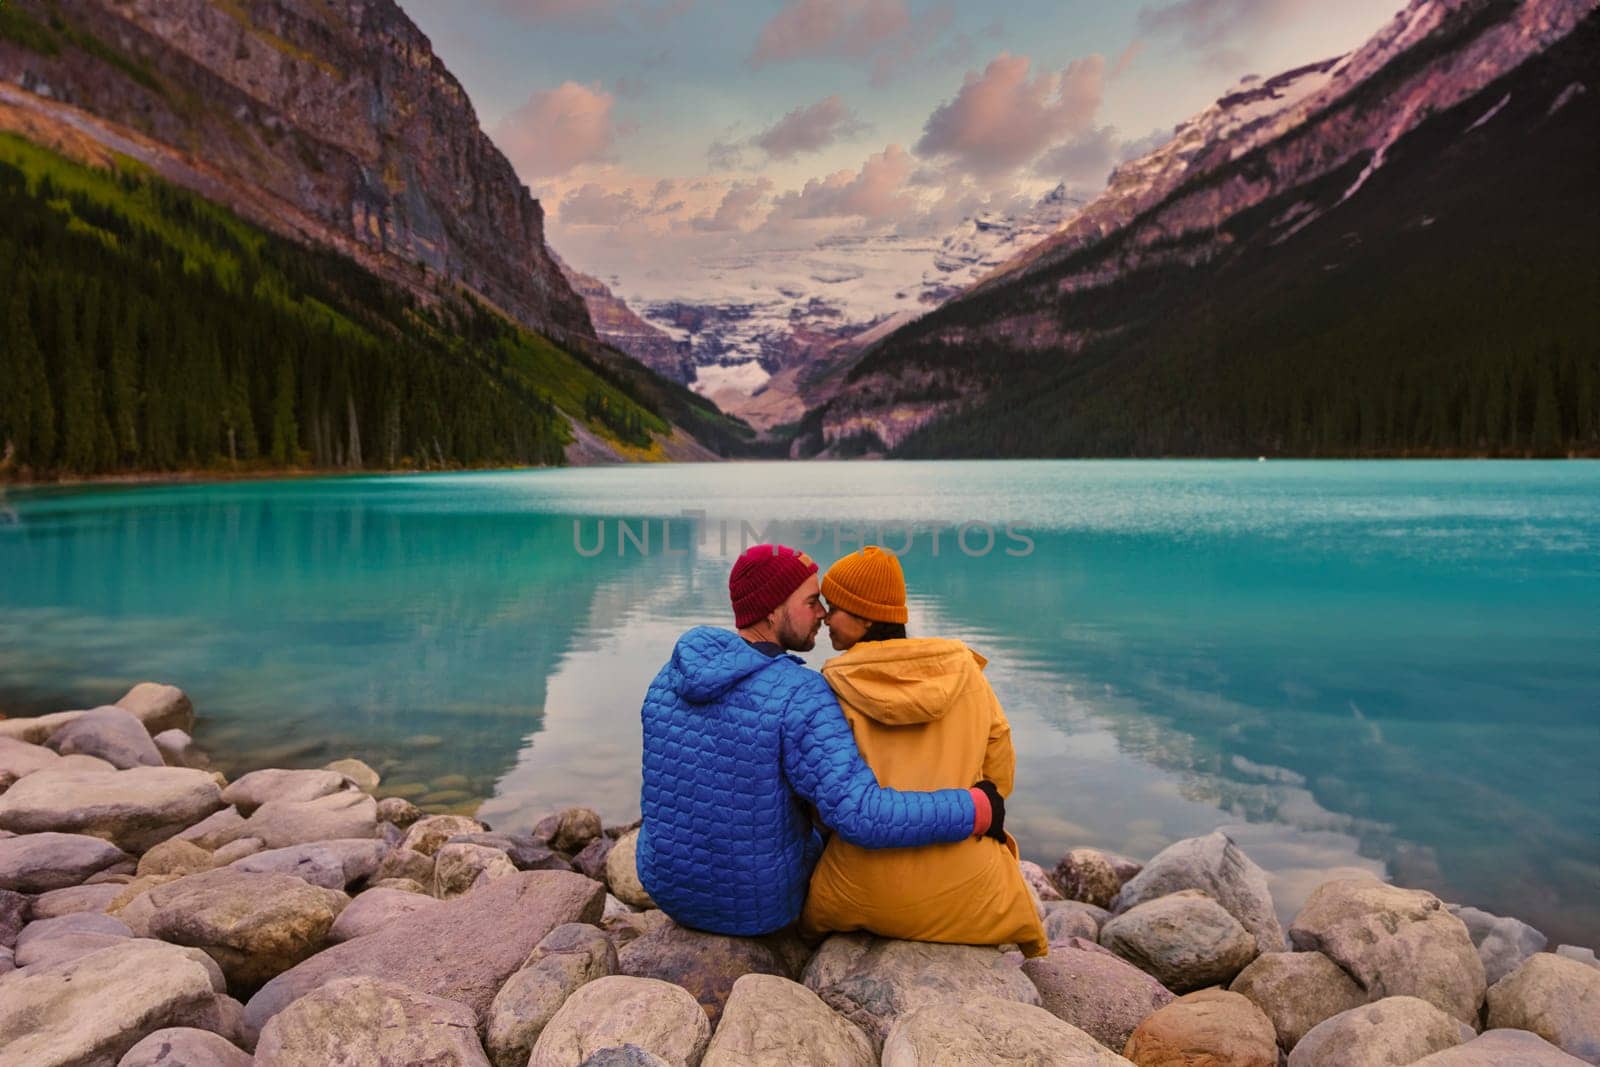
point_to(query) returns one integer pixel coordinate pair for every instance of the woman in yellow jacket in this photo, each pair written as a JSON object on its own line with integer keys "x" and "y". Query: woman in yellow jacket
{"x": 924, "y": 717}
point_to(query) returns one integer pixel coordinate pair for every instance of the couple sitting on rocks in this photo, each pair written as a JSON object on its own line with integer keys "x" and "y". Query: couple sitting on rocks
{"x": 762, "y": 804}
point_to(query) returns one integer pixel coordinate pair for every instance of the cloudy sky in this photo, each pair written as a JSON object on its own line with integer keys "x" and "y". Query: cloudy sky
{"x": 659, "y": 131}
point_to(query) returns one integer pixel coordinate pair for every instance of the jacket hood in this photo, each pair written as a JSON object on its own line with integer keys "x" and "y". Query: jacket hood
{"x": 906, "y": 681}
{"x": 708, "y": 662}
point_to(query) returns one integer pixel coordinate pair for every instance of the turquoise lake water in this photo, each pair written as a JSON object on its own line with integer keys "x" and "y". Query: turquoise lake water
{"x": 1391, "y": 666}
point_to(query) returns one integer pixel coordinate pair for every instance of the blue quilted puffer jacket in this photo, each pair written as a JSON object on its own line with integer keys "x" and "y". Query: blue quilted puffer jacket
{"x": 734, "y": 742}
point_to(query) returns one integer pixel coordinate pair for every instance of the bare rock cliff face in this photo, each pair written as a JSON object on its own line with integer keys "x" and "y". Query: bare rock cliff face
{"x": 331, "y": 120}
{"x": 620, "y": 327}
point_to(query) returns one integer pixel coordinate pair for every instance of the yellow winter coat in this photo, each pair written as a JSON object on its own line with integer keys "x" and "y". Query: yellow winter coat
{"x": 925, "y": 717}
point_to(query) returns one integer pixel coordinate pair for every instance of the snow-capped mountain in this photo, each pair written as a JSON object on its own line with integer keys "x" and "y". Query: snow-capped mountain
{"x": 755, "y": 331}
{"x": 1313, "y": 265}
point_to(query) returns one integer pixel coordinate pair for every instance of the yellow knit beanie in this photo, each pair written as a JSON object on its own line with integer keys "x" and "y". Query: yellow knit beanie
{"x": 868, "y": 583}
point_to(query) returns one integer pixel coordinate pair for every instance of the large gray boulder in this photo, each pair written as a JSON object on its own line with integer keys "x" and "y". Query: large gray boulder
{"x": 707, "y": 965}
{"x": 184, "y": 1046}
{"x": 1186, "y": 940}
{"x": 1394, "y": 942}
{"x": 656, "y": 1016}
{"x": 1210, "y": 1026}
{"x": 111, "y": 734}
{"x": 1394, "y": 1030}
{"x": 1554, "y": 997}
{"x": 256, "y": 926}
{"x": 331, "y": 864}
{"x": 1092, "y": 989}
{"x": 1500, "y": 1048}
{"x": 133, "y": 809}
{"x": 369, "y": 1021}
{"x": 568, "y": 958}
{"x": 1503, "y": 942}
{"x": 872, "y": 981}
{"x": 374, "y": 909}
{"x": 282, "y": 823}
{"x": 1297, "y": 990}
{"x": 159, "y": 707}
{"x": 1217, "y": 867}
{"x": 38, "y": 863}
{"x": 463, "y": 950}
{"x": 92, "y": 1010}
{"x": 258, "y": 787}
{"x": 987, "y": 1030}
{"x": 770, "y": 1021}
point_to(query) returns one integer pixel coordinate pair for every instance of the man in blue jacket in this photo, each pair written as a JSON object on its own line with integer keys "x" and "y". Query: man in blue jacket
{"x": 738, "y": 736}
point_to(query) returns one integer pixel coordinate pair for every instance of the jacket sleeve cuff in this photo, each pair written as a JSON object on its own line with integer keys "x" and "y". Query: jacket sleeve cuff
{"x": 982, "y": 813}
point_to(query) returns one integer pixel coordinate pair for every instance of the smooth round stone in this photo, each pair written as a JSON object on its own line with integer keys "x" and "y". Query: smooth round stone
{"x": 1297, "y": 990}
{"x": 1217, "y": 867}
{"x": 426, "y": 835}
{"x": 986, "y": 1030}
{"x": 183, "y": 1046}
{"x": 1096, "y": 991}
{"x": 1186, "y": 940}
{"x": 76, "y": 899}
{"x": 1555, "y": 997}
{"x": 108, "y": 733}
{"x": 364, "y": 1020}
{"x": 1210, "y": 1026}
{"x": 134, "y": 809}
{"x": 258, "y": 787}
{"x": 658, "y": 1017}
{"x": 38, "y": 863}
{"x": 622, "y": 872}
{"x": 772, "y": 1022}
{"x": 1389, "y": 1031}
{"x": 360, "y": 774}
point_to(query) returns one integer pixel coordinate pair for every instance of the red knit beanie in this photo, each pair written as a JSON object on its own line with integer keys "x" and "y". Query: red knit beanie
{"x": 763, "y": 578}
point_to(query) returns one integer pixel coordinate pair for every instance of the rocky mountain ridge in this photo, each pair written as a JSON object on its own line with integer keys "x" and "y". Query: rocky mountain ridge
{"x": 329, "y": 122}
{"x": 1310, "y": 141}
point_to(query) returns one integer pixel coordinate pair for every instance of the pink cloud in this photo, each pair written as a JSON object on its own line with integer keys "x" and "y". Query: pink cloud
{"x": 1001, "y": 119}
{"x": 597, "y": 14}
{"x": 558, "y": 129}
{"x": 809, "y": 129}
{"x": 738, "y": 209}
{"x": 593, "y": 205}
{"x": 808, "y": 29}
{"x": 875, "y": 193}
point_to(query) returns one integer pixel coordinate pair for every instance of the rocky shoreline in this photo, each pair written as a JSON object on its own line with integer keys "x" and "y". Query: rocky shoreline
{"x": 154, "y": 913}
